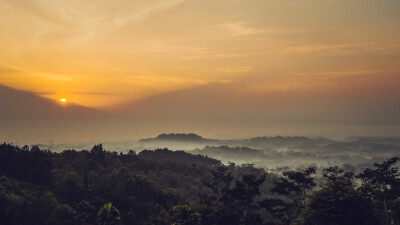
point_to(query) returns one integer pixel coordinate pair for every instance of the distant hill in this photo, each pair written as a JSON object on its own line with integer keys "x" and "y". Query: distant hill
{"x": 190, "y": 141}
{"x": 25, "y": 117}
{"x": 231, "y": 153}
{"x": 190, "y": 137}
{"x": 179, "y": 141}
{"x": 178, "y": 157}
{"x": 21, "y": 104}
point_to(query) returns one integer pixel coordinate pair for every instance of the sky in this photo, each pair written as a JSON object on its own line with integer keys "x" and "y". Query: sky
{"x": 312, "y": 60}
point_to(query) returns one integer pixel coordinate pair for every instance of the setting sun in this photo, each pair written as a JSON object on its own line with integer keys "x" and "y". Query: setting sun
{"x": 200, "y": 112}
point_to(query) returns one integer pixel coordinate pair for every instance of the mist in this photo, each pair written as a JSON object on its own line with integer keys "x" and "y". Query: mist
{"x": 220, "y": 111}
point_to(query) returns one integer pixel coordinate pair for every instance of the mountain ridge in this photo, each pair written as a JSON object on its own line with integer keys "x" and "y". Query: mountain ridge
{"x": 23, "y": 104}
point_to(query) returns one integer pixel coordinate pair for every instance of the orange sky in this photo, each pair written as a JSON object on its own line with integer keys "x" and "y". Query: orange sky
{"x": 104, "y": 53}
{"x": 133, "y": 69}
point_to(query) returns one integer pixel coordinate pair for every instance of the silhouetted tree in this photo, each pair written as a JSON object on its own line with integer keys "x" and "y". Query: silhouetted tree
{"x": 334, "y": 173}
{"x": 382, "y": 184}
{"x": 294, "y": 185}
{"x": 233, "y": 200}
{"x": 108, "y": 215}
{"x": 338, "y": 203}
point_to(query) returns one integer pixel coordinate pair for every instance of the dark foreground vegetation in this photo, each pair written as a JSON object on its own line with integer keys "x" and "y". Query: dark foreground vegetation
{"x": 166, "y": 187}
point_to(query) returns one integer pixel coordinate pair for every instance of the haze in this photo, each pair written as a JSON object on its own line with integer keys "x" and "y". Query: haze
{"x": 222, "y": 68}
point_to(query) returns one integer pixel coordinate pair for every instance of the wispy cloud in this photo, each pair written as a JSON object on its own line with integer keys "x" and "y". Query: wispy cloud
{"x": 38, "y": 73}
{"x": 39, "y": 9}
{"x": 75, "y": 93}
{"x": 240, "y": 29}
{"x": 84, "y": 21}
{"x": 109, "y": 49}
{"x": 330, "y": 74}
{"x": 333, "y": 47}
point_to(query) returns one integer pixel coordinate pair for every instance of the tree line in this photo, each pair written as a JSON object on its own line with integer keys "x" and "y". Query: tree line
{"x": 164, "y": 187}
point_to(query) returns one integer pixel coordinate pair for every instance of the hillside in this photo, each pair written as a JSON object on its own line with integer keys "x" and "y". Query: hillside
{"x": 18, "y": 104}
{"x": 164, "y": 187}
{"x": 176, "y": 137}
{"x": 229, "y": 154}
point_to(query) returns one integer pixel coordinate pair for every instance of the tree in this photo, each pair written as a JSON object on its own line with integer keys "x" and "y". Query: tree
{"x": 294, "y": 185}
{"x": 338, "y": 203}
{"x": 396, "y": 211}
{"x": 97, "y": 152}
{"x": 334, "y": 173}
{"x": 108, "y": 215}
{"x": 232, "y": 201}
{"x": 382, "y": 184}
{"x": 185, "y": 215}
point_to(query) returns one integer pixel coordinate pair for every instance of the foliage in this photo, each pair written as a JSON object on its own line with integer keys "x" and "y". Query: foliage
{"x": 382, "y": 185}
{"x": 108, "y": 215}
{"x": 293, "y": 185}
{"x": 337, "y": 202}
{"x": 164, "y": 187}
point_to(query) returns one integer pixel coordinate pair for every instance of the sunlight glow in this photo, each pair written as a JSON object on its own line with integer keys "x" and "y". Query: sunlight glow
{"x": 63, "y": 100}
{"x": 119, "y": 52}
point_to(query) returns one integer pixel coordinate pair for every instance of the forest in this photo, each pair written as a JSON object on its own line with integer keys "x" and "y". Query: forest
{"x": 164, "y": 187}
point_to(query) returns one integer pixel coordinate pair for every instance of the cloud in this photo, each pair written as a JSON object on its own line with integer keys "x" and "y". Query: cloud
{"x": 337, "y": 74}
{"x": 84, "y": 21}
{"x": 240, "y": 29}
{"x": 39, "y": 9}
{"x": 32, "y": 72}
{"x": 335, "y": 47}
{"x": 130, "y": 50}
{"x": 75, "y": 93}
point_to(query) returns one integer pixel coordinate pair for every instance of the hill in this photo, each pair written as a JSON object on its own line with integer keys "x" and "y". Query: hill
{"x": 190, "y": 137}
{"x": 22, "y": 104}
{"x": 231, "y": 154}
{"x": 163, "y": 187}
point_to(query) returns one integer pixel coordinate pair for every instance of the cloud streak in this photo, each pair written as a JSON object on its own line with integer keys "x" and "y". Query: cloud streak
{"x": 109, "y": 52}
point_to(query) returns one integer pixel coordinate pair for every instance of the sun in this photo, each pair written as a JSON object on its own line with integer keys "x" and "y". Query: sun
{"x": 63, "y": 100}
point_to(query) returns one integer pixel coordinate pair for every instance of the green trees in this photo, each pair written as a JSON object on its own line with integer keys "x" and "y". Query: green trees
{"x": 293, "y": 186}
{"x": 337, "y": 202}
{"x": 164, "y": 187}
{"x": 296, "y": 184}
{"x": 340, "y": 202}
{"x": 33, "y": 165}
{"x": 22, "y": 204}
{"x": 382, "y": 185}
{"x": 233, "y": 199}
